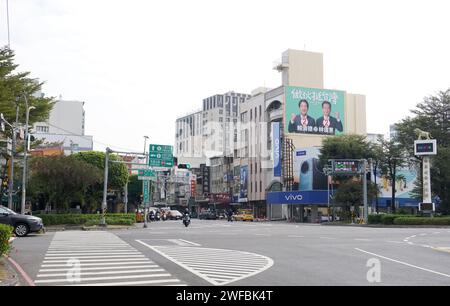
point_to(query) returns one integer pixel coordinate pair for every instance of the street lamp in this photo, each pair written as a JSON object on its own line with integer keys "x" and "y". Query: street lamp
{"x": 25, "y": 149}
{"x": 143, "y": 183}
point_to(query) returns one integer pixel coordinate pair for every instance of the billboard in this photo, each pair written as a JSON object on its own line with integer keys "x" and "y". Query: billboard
{"x": 404, "y": 184}
{"x": 243, "y": 184}
{"x": 307, "y": 174}
{"x": 314, "y": 111}
{"x": 276, "y": 149}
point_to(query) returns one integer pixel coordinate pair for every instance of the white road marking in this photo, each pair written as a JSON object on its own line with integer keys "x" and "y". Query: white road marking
{"x": 403, "y": 263}
{"x": 216, "y": 266}
{"x": 395, "y": 242}
{"x": 363, "y": 239}
{"x": 104, "y": 260}
{"x": 190, "y": 242}
{"x": 296, "y": 236}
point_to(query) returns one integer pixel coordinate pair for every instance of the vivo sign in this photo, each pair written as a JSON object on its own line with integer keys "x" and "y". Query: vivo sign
{"x": 307, "y": 197}
{"x": 276, "y": 149}
{"x": 293, "y": 197}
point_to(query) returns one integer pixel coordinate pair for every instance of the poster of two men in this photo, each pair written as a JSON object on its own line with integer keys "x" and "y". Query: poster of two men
{"x": 314, "y": 111}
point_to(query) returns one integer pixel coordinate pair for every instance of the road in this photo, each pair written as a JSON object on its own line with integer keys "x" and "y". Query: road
{"x": 209, "y": 253}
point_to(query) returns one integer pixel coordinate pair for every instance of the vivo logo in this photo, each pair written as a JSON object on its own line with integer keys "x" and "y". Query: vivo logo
{"x": 277, "y": 150}
{"x": 292, "y": 197}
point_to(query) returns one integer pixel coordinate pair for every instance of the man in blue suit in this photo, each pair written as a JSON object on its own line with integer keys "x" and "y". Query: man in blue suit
{"x": 300, "y": 123}
{"x": 328, "y": 123}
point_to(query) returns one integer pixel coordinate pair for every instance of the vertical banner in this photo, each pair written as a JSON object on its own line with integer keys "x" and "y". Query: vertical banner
{"x": 276, "y": 149}
{"x": 243, "y": 184}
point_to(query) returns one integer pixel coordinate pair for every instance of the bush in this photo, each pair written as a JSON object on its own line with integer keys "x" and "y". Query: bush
{"x": 375, "y": 218}
{"x": 84, "y": 219}
{"x": 5, "y": 234}
{"x": 422, "y": 221}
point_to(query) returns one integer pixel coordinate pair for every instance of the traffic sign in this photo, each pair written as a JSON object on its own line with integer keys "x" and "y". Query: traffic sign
{"x": 145, "y": 191}
{"x": 146, "y": 173}
{"x": 160, "y": 156}
{"x": 347, "y": 167}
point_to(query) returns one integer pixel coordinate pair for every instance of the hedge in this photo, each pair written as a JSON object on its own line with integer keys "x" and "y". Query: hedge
{"x": 387, "y": 218}
{"x": 83, "y": 219}
{"x": 422, "y": 221}
{"x": 5, "y": 234}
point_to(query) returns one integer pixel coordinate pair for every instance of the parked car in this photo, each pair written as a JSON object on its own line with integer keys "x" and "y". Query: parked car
{"x": 23, "y": 224}
{"x": 175, "y": 215}
{"x": 208, "y": 215}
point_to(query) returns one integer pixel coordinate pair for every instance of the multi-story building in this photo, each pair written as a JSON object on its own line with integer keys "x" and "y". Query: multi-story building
{"x": 272, "y": 127}
{"x": 66, "y": 125}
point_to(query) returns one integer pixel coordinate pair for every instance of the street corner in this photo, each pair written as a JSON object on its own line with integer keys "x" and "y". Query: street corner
{"x": 8, "y": 276}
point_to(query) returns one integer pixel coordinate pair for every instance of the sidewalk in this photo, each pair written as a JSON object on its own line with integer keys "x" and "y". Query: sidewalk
{"x": 59, "y": 228}
{"x": 8, "y": 276}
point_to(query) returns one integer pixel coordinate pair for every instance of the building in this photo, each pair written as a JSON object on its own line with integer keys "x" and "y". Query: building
{"x": 66, "y": 125}
{"x": 392, "y": 131}
{"x": 211, "y": 131}
{"x": 273, "y": 127}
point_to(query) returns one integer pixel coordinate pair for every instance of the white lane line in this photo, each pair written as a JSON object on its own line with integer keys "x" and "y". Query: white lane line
{"x": 363, "y": 239}
{"x": 95, "y": 256}
{"x": 190, "y": 242}
{"x": 403, "y": 263}
{"x": 100, "y": 260}
{"x": 101, "y": 268}
{"x": 148, "y": 282}
{"x": 401, "y": 242}
{"x": 296, "y": 236}
{"x": 98, "y": 264}
{"x": 326, "y": 238}
{"x": 64, "y": 280}
{"x": 235, "y": 266}
{"x": 103, "y": 273}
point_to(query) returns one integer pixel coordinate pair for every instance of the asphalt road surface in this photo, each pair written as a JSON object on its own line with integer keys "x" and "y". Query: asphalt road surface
{"x": 209, "y": 253}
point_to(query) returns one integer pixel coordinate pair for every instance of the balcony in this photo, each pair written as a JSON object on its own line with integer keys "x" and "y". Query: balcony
{"x": 276, "y": 114}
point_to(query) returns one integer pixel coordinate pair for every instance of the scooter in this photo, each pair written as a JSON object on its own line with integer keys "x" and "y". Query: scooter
{"x": 186, "y": 220}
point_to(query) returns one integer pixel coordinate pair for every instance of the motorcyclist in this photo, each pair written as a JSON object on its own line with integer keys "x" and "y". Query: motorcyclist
{"x": 186, "y": 217}
{"x": 230, "y": 215}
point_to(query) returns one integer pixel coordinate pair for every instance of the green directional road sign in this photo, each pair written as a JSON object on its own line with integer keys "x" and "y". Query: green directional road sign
{"x": 160, "y": 156}
{"x": 145, "y": 192}
{"x": 146, "y": 172}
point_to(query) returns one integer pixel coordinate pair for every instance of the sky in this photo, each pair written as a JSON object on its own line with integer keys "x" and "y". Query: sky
{"x": 139, "y": 65}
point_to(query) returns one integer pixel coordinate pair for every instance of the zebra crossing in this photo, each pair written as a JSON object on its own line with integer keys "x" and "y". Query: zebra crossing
{"x": 216, "y": 266}
{"x": 98, "y": 259}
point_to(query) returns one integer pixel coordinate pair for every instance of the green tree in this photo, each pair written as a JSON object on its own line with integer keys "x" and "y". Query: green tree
{"x": 350, "y": 193}
{"x": 14, "y": 85}
{"x": 431, "y": 115}
{"x": 392, "y": 157}
{"x": 349, "y": 189}
{"x": 62, "y": 180}
{"x": 117, "y": 172}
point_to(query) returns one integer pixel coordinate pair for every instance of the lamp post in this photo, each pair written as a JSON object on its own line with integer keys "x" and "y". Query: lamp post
{"x": 25, "y": 149}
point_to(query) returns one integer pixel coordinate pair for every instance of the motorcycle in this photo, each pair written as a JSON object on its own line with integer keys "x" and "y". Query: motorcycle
{"x": 186, "y": 220}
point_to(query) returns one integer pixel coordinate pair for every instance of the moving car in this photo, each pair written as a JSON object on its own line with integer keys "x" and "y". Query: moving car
{"x": 23, "y": 224}
{"x": 175, "y": 215}
{"x": 244, "y": 215}
{"x": 208, "y": 215}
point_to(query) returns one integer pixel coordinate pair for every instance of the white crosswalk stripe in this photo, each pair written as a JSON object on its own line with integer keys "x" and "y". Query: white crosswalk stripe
{"x": 98, "y": 259}
{"x": 216, "y": 266}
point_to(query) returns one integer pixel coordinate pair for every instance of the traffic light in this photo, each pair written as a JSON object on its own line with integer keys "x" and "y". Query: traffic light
{"x": 184, "y": 166}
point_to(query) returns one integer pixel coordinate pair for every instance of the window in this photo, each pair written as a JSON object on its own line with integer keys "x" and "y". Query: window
{"x": 256, "y": 113}
{"x": 251, "y": 115}
{"x": 260, "y": 111}
{"x": 260, "y": 186}
{"x": 251, "y": 168}
{"x": 256, "y": 187}
{"x": 251, "y": 185}
{"x": 42, "y": 129}
{"x": 256, "y": 168}
{"x": 220, "y": 111}
{"x": 220, "y": 119}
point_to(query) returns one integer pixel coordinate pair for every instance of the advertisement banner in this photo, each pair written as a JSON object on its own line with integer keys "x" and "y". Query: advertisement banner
{"x": 307, "y": 174}
{"x": 314, "y": 111}
{"x": 243, "y": 184}
{"x": 276, "y": 149}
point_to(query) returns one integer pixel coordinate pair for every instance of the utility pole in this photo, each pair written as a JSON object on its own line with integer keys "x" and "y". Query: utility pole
{"x": 25, "y": 147}
{"x": 105, "y": 188}
{"x": 13, "y": 153}
{"x": 144, "y": 185}
{"x": 125, "y": 200}
{"x": 366, "y": 209}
